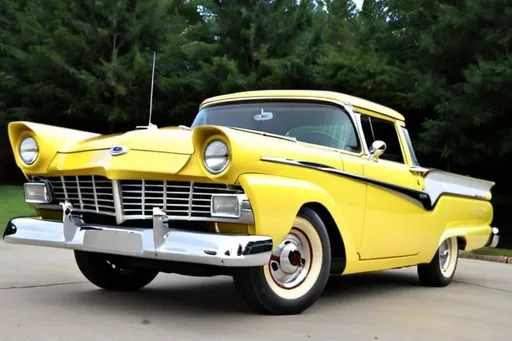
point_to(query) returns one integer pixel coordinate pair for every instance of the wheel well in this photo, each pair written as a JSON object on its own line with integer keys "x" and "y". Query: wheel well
{"x": 461, "y": 241}
{"x": 338, "y": 253}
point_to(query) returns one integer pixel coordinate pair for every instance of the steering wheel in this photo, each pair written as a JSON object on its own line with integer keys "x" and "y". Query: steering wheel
{"x": 319, "y": 137}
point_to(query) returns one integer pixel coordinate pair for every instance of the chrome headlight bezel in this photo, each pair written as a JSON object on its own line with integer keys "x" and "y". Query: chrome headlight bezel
{"x": 215, "y": 150}
{"x": 28, "y": 150}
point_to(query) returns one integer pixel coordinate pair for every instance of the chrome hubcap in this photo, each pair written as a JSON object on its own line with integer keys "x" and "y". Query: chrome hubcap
{"x": 444, "y": 254}
{"x": 291, "y": 260}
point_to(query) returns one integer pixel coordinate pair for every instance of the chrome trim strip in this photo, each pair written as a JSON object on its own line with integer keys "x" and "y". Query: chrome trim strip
{"x": 419, "y": 197}
{"x": 160, "y": 242}
{"x": 428, "y": 199}
{"x": 359, "y": 128}
{"x": 190, "y": 198}
{"x": 164, "y": 198}
{"x": 143, "y": 200}
{"x": 64, "y": 187}
{"x": 95, "y": 194}
{"x": 80, "y": 200}
{"x": 118, "y": 204}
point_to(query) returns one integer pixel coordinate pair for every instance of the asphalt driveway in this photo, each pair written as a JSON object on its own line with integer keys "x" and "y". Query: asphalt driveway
{"x": 44, "y": 297}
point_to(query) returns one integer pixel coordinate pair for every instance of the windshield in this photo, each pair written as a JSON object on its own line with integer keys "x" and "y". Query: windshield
{"x": 321, "y": 124}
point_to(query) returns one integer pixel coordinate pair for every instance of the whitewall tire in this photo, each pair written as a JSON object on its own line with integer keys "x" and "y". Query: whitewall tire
{"x": 296, "y": 274}
{"x": 440, "y": 271}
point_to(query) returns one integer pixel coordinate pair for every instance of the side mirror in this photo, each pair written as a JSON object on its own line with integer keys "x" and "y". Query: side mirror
{"x": 378, "y": 148}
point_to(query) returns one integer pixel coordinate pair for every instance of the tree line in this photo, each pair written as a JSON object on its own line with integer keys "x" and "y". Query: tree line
{"x": 446, "y": 65}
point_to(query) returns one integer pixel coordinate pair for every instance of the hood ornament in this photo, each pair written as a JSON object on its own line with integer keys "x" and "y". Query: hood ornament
{"x": 118, "y": 150}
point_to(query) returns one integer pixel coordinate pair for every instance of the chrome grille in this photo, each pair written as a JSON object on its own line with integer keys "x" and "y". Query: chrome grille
{"x": 87, "y": 193}
{"x": 136, "y": 198}
{"x": 183, "y": 199}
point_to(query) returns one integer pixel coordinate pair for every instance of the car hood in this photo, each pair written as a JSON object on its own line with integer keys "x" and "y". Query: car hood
{"x": 166, "y": 140}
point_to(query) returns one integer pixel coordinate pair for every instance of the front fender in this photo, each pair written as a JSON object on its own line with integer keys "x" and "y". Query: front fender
{"x": 49, "y": 139}
{"x": 276, "y": 200}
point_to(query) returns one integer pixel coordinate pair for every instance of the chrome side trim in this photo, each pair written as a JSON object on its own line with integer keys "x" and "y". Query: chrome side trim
{"x": 438, "y": 182}
{"x": 160, "y": 242}
{"x": 423, "y": 198}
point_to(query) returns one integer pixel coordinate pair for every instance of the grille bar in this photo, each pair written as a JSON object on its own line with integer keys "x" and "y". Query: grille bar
{"x": 135, "y": 199}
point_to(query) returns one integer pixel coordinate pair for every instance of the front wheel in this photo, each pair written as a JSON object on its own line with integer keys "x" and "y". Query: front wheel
{"x": 440, "y": 271}
{"x": 296, "y": 274}
{"x": 110, "y": 272}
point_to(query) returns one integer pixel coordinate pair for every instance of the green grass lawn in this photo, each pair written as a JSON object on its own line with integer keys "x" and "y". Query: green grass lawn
{"x": 12, "y": 204}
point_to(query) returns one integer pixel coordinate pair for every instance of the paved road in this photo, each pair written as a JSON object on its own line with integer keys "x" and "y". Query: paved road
{"x": 44, "y": 297}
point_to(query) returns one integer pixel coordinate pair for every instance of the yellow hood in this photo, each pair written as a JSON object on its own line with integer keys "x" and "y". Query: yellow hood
{"x": 166, "y": 140}
{"x": 67, "y": 150}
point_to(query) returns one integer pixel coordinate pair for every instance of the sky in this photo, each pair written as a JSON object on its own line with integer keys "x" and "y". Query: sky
{"x": 359, "y": 3}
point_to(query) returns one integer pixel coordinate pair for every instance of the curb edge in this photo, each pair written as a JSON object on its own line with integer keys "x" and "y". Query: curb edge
{"x": 495, "y": 259}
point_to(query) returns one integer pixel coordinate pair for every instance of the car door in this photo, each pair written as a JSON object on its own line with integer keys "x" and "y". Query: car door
{"x": 392, "y": 206}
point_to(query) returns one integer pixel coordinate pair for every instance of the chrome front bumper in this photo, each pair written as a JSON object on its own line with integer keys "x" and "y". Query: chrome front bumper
{"x": 494, "y": 238}
{"x": 159, "y": 242}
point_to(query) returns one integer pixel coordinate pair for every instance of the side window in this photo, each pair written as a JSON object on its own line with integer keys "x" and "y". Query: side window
{"x": 378, "y": 129}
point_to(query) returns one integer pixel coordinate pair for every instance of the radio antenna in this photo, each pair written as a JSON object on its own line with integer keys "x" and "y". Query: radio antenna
{"x": 151, "y": 125}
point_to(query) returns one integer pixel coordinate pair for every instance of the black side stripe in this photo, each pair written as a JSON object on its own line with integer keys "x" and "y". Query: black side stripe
{"x": 419, "y": 196}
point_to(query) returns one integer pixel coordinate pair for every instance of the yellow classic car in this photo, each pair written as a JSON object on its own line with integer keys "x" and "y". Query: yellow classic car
{"x": 278, "y": 189}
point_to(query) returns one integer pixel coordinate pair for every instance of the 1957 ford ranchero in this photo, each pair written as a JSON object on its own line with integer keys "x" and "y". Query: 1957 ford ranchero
{"x": 279, "y": 189}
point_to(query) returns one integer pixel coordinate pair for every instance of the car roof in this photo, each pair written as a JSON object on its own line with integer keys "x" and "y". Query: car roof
{"x": 304, "y": 94}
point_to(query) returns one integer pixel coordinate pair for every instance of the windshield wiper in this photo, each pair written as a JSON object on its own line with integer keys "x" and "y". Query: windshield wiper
{"x": 289, "y": 138}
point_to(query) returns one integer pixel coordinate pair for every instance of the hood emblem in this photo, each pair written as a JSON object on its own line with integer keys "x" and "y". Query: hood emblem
{"x": 118, "y": 150}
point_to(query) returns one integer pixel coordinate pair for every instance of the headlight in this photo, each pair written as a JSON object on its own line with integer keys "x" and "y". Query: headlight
{"x": 216, "y": 157}
{"x": 29, "y": 151}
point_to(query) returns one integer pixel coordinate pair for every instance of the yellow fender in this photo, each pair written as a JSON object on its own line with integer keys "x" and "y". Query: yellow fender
{"x": 49, "y": 138}
{"x": 276, "y": 200}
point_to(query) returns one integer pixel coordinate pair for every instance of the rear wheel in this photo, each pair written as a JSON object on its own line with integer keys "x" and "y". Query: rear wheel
{"x": 440, "y": 271}
{"x": 296, "y": 274}
{"x": 110, "y": 272}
